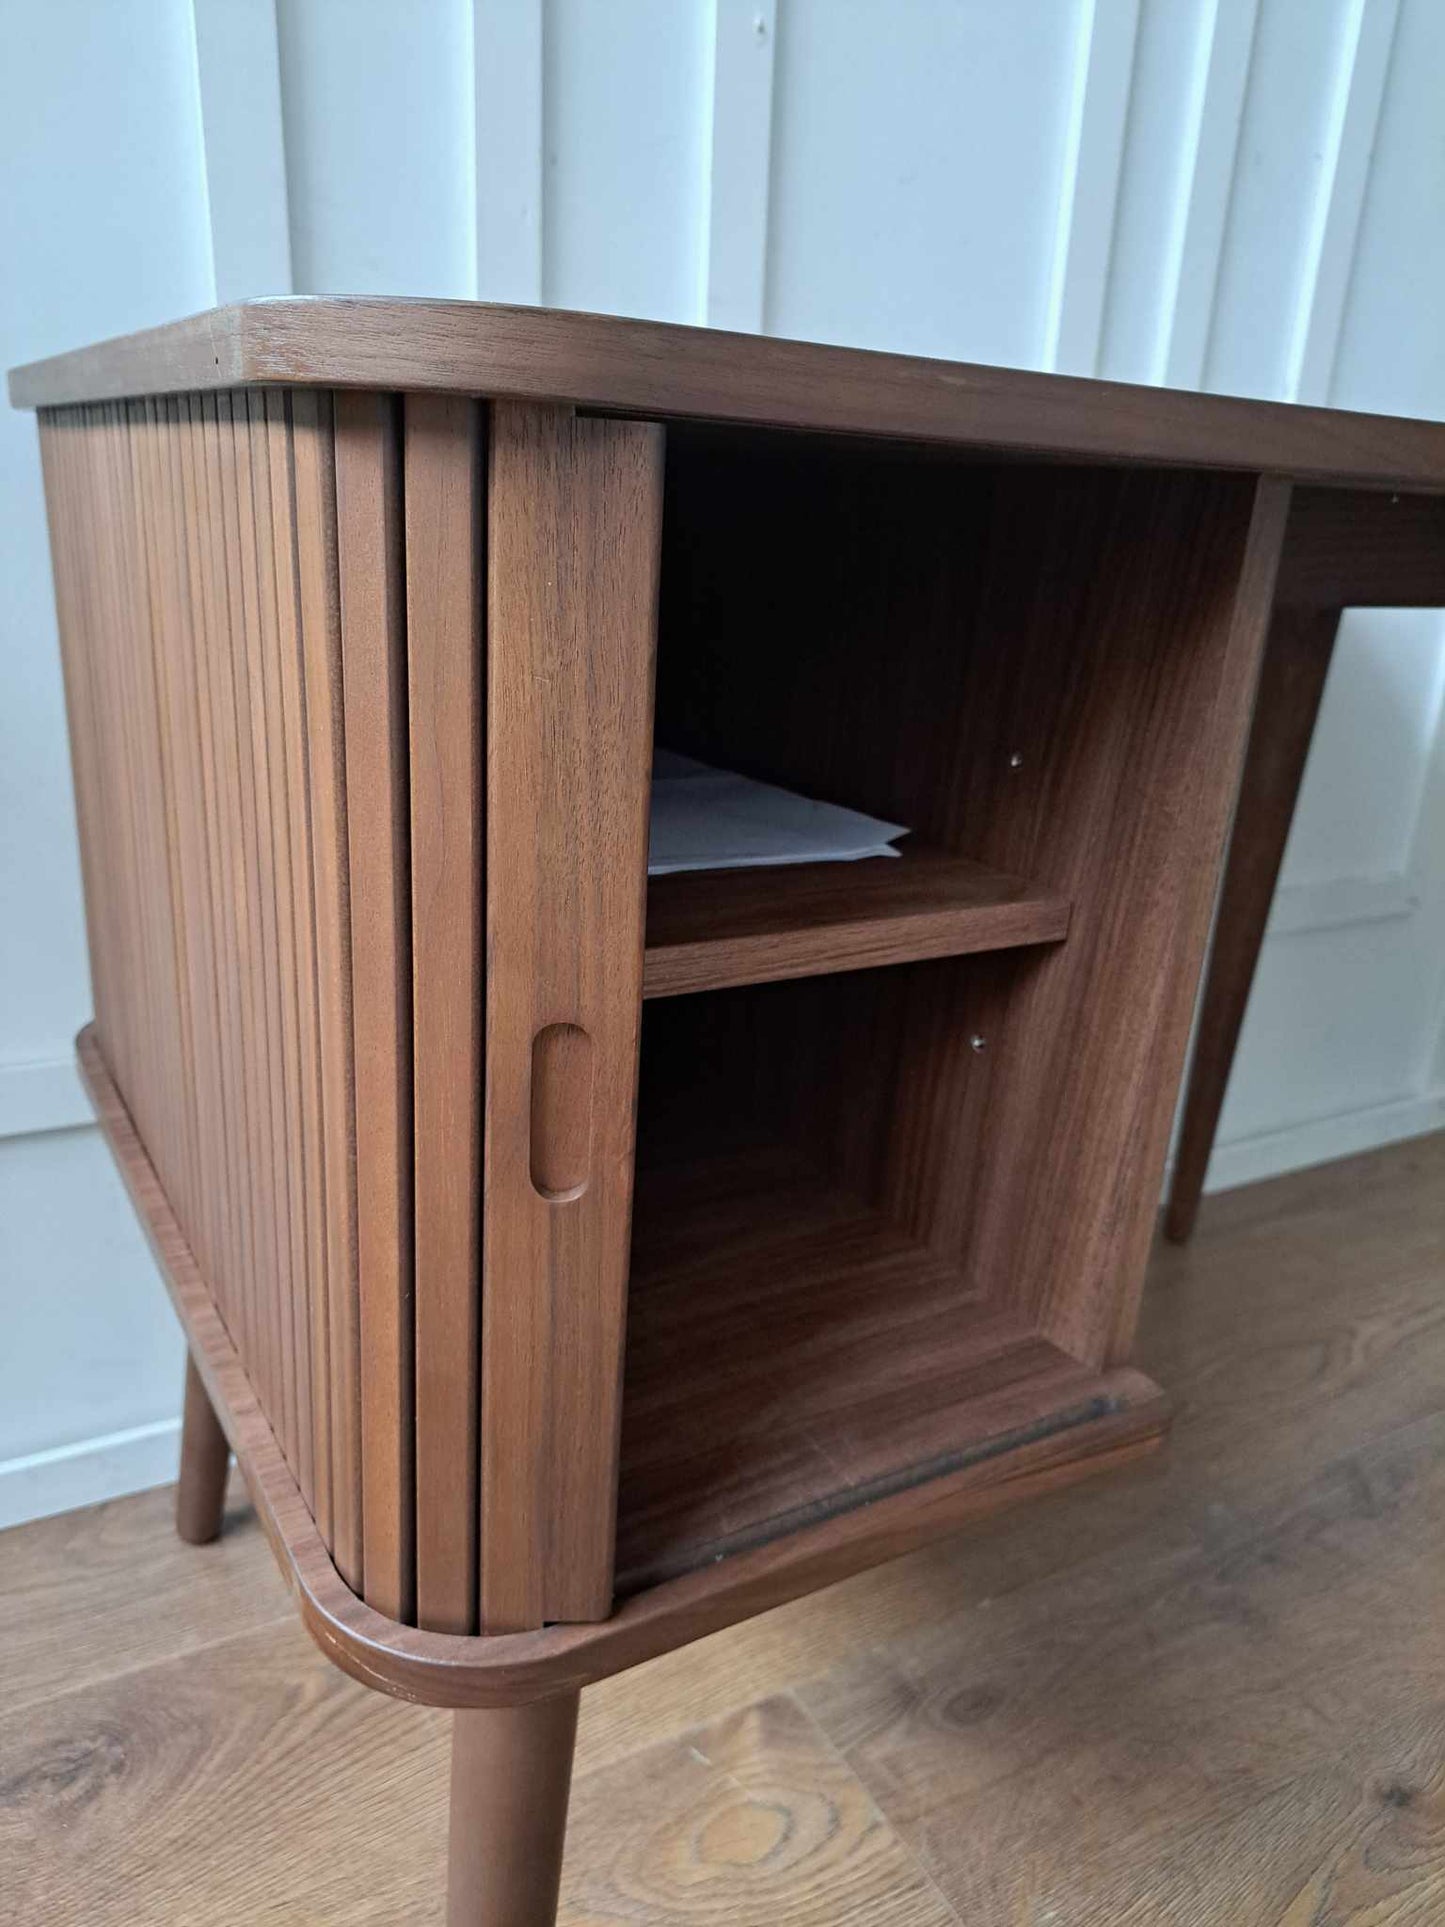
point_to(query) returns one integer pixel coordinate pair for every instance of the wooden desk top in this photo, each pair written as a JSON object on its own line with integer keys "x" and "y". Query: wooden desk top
{"x": 604, "y": 362}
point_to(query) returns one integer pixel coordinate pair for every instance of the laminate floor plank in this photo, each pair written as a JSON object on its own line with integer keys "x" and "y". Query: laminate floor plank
{"x": 106, "y": 1590}
{"x": 748, "y": 1820}
{"x": 193, "y": 1792}
{"x": 1210, "y": 1692}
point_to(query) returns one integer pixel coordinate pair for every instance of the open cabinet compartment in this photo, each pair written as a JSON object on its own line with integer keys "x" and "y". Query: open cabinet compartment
{"x": 892, "y": 1218}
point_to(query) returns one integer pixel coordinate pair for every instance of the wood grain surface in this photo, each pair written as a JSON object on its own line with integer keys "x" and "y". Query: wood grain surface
{"x": 378, "y": 852}
{"x": 1351, "y": 548}
{"x": 710, "y": 930}
{"x": 660, "y": 370}
{"x": 313, "y": 464}
{"x": 447, "y": 726}
{"x": 792, "y": 1355}
{"x": 196, "y": 590}
{"x": 1205, "y": 1694}
{"x": 573, "y": 514}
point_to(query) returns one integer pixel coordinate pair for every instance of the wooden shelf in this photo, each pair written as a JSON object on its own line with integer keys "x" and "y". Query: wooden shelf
{"x": 708, "y": 930}
{"x": 792, "y": 1356}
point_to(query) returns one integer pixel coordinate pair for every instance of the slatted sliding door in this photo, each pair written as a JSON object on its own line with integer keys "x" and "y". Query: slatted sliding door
{"x": 445, "y": 719}
{"x": 198, "y": 625}
{"x": 574, "y": 527}
{"x": 306, "y": 821}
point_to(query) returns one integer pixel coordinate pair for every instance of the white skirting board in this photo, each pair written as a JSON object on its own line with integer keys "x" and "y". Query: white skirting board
{"x": 88, "y": 1471}
{"x": 1319, "y": 1140}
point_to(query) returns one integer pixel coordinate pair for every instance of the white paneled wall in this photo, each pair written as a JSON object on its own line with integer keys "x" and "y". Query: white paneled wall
{"x": 376, "y": 104}
{"x": 918, "y": 161}
{"x": 1233, "y": 194}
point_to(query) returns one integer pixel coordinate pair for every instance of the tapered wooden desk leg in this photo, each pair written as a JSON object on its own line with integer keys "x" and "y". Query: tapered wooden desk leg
{"x": 205, "y": 1455}
{"x": 1291, "y": 683}
{"x": 511, "y": 1776}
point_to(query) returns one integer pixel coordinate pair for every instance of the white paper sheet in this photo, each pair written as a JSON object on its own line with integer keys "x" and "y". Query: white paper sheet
{"x": 709, "y": 819}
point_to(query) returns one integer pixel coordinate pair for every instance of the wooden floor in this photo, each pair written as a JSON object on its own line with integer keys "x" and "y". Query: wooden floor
{"x": 1211, "y": 1693}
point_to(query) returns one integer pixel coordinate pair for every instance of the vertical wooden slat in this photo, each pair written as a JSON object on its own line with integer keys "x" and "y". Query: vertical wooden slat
{"x": 373, "y": 656}
{"x": 62, "y": 441}
{"x": 445, "y": 721}
{"x": 60, "y": 435}
{"x": 140, "y": 617}
{"x": 178, "y": 714}
{"x": 256, "y": 719}
{"x": 132, "y": 645}
{"x": 284, "y": 952}
{"x": 574, "y": 510}
{"x": 292, "y": 718}
{"x": 112, "y": 639}
{"x": 193, "y": 725}
{"x": 229, "y": 1288}
{"x": 57, "y": 435}
{"x": 257, "y": 936}
{"x": 116, "y": 737}
{"x": 160, "y": 564}
{"x": 313, "y": 457}
{"x": 197, "y": 590}
{"x": 250, "y": 1269}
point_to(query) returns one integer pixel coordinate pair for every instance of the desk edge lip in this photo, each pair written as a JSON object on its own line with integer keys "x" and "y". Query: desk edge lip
{"x": 674, "y": 371}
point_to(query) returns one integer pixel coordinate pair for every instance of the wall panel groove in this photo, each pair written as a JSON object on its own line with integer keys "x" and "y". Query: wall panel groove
{"x": 507, "y": 150}
{"x": 1364, "y": 61}
{"x": 1089, "y": 188}
{"x": 1221, "y": 82}
{"x": 740, "y": 136}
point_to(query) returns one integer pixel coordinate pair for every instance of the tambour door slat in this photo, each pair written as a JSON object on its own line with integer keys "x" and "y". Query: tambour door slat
{"x": 274, "y": 585}
{"x": 224, "y": 1153}
{"x": 195, "y": 936}
{"x": 160, "y": 565}
{"x": 369, "y": 550}
{"x": 256, "y": 724}
{"x": 443, "y": 488}
{"x": 313, "y": 462}
{"x": 249, "y": 1269}
{"x": 573, "y": 528}
{"x": 311, "y": 1184}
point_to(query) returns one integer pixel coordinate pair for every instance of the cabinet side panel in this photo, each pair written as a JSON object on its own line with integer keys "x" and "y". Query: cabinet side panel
{"x": 573, "y": 547}
{"x": 1134, "y": 615}
{"x": 445, "y": 715}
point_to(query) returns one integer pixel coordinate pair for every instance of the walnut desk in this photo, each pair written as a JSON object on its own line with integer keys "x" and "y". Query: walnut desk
{"x": 574, "y": 1264}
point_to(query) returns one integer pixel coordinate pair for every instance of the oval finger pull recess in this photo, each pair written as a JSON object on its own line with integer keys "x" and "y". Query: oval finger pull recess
{"x": 561, "y": 1112}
